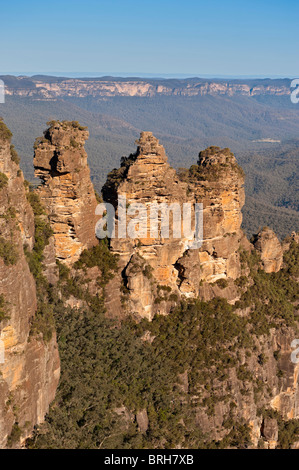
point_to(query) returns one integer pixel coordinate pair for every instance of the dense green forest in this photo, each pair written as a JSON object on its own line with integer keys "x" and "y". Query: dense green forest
{"x": 109, "y": 373}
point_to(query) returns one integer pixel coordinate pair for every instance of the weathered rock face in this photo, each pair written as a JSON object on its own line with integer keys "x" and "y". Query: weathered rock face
{"x": 146, "y": 178}
{"x": 279, "y": 393}
{"x": 30, "y": 371}
{"x": 270, "y": 249}
{"x": 269, "y": 430}
{"x": 142, "y": 420}
{"x": 149, "y": 262}
{"x": 61, "y": 162}
{"x": 218, "y": 183}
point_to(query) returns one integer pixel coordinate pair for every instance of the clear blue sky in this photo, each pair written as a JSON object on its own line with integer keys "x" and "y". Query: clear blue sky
{"x": 194, "y": 37}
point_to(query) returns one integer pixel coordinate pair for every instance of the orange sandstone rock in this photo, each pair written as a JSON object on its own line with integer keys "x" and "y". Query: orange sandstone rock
{"x": 67, "y": 193}
{"x": 267, "y": 243}
{"x": 146, "y": 177}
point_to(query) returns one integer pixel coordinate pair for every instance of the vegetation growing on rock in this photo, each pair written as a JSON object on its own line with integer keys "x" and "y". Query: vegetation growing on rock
{"x": 123, "y": 371}
{"x": 3, "y": 308}
{"x": 5, "y": 133}
{"x": 42, "y": 234}
{"x": 8, "y": 252}
{"x": 3, "y": 180}
{"x": 201, "y": 374}
{"x": 14, "y": 155}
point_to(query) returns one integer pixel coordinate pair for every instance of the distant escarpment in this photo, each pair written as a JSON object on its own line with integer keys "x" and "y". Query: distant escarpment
{"x": 42, "y": 87}
{"x": 29, "y": 362}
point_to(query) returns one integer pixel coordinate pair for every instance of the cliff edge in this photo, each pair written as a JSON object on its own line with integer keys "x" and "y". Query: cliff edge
{"x": 29, "y": 366}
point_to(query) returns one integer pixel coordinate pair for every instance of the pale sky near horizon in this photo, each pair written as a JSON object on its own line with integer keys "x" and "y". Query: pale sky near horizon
{"x": 192, "y": 37}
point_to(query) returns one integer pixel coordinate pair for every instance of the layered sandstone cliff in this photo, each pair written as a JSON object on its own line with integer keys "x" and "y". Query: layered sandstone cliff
{"x": 29, "y": 371}
{"x": 153, "y": 266}
{"x": 67, "y": 193}
{"x": 218, "y": 183}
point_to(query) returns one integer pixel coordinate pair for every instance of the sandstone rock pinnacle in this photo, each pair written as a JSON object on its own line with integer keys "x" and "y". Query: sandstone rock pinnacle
{"x": 61, "y": 162}
{"x": 146, "y": 177}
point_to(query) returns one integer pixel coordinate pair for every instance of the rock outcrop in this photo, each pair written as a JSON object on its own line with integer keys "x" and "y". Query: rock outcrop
{"x": 146, "y": 178}
{"x": 157, "y": 270}
{"x": 270, "y": 249}
{"x": 29, "y": 370}
{"x": 265, "y": 389}
{"x": 218, "y": 183}
{"x": 67, "y": 193}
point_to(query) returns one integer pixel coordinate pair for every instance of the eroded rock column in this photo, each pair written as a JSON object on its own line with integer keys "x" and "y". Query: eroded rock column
{"x": 60, "y": 161}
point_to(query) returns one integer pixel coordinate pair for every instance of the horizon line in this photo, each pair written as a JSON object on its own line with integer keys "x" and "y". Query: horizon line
{"x": 83, "y": 75}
